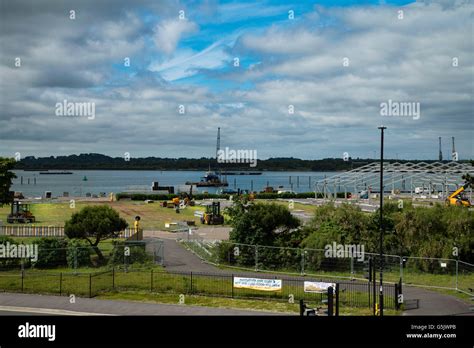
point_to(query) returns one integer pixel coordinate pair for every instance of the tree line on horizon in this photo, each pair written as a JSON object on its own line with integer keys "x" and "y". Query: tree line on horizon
{"x": 99, "y": 161}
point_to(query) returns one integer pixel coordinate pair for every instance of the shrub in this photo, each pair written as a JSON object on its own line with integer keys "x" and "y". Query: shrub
{"x": 137, "y": 253}
{"x": 51, "y": 252}
{"x": 4, "y": 262}
{"x": 78, "y": 250}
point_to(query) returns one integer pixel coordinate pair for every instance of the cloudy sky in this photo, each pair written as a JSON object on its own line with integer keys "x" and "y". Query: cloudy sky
{"x": 305, "y": 79}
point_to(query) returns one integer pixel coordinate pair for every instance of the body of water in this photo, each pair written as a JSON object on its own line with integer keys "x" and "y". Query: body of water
{"x": 140, "y": 181}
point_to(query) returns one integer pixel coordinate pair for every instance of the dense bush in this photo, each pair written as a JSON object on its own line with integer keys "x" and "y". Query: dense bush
{"x": 200, "y": 196}
{"x": 7, "y": 262}
{"x": 78, "y": 253}
{"x": 51, "y": 252}
{"x": 137, "y": 253}
{"x": 430, "y": 232}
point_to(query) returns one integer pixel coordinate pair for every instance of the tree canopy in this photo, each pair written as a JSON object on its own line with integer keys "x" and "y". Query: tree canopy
{"x": 6, "y": 178}
{"x": 261, "y": 224}
{"x": 94, "y": 224}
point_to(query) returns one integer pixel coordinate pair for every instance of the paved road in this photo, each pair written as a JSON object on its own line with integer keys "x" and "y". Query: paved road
{"x": 434, "y": 303}
{"x": 179, "y": 259}
{"x": 59, "y": 305}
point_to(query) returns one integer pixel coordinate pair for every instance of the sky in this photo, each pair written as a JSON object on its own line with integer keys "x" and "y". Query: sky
{"x": 303, "y": 79}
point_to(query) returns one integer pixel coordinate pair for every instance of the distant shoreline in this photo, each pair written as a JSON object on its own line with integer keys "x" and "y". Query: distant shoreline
{"x": 280, "y": 164}
{"x": 179, "y": 170}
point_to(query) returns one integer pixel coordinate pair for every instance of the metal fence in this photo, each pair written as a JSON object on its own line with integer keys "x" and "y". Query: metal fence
{"x": 351, "y": 294}
{"x": 416, "y": 271}
{"x": 49, "y": 231}
{"x": 120, "y": 253}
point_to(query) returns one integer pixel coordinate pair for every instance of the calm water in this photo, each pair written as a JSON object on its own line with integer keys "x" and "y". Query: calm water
{"x": 132, "y": 180}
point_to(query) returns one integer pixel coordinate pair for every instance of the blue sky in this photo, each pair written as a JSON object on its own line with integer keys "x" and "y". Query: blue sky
{"x": 333, "y": 65}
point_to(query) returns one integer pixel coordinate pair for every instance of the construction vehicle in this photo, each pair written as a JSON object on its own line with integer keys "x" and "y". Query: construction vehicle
{"x": 213, "y": 215}
{"x": 20, "y": 212}
{"x": 171, "y": 204}
{"x": 459, "y": 197}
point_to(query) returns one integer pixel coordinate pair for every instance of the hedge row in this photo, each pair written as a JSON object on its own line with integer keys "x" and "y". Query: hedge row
{"x": 200, "y": 196}
{"x": 72, "y": 253}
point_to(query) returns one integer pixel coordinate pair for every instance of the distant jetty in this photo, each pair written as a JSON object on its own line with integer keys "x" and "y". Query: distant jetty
{"x": 241, "y": 173}
{"x": 56, "y": 173}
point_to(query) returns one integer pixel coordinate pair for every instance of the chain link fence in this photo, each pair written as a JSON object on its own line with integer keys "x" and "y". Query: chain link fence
{"x": 74, "y": 257}
{"x": 351, "y": 294}
{"x": 416, "y": 271}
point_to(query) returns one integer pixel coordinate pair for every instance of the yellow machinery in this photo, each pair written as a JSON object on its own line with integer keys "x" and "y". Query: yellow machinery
{"x": 213, "y": 215}
{"x": 459, "y": 197}
{"x": 20, "y": 212}
{"x": 171, "y": 204}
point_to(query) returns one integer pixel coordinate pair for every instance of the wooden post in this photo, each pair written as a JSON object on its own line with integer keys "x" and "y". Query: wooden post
{"x": 151, "y": 281}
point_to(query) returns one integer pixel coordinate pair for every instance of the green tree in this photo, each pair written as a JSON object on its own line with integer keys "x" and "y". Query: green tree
{"x": 51, "y": 252}
{"x": 261, "y": 224}
{"x": 469, "y": 179}
{"x": 6, "y": 178}
{"x": 350, "y": 223}
{"x": 94, "y": 224}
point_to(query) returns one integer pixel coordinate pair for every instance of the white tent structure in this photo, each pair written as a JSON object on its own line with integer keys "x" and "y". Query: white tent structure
{"x": 408, "y": 177}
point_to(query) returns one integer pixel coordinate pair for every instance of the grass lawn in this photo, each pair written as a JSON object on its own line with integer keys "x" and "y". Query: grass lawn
{"x": 307, "y": 208}
{"x": 247, "y": 304}
{"x": 153, "y": 217}
{"x": 154, "y": 283}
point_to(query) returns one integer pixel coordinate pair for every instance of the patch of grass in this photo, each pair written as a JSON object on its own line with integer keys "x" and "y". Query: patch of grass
{"x": 307, "y": 208}
{"x": 153, "y": 217}
{"x": 231, "y": 303}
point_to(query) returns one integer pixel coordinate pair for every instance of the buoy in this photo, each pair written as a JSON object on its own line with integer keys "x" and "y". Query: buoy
{"x": 84, "y": 178}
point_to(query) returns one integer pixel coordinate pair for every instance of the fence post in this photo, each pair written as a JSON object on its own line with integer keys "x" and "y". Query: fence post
{"x": 396, "y": 297}
{"x": 256, "y": 258}
{"x": 352, "y": 268}
{"x": 337, "y": 299}
{"x": 302, "y": 261}
{"x": 374, "y": 282}
{"x": 22, "y": 279}
{"x": 60, "y": 283}
{"x": 113, "y": 277}
{"x": 151, "y": 280}
{"x": 330, "y": 301}
{"x": 90, "y": 285}
{"x": 368, "y": 288}
{"x": 232, "y": 295}
{"x": 191, "y": 282}
{"x": 75, "y": 260}
{"x": 457, "y": 270}
{"x": 401, "y": 267}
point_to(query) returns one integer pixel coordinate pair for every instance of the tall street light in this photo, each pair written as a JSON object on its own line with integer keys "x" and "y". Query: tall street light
{"x": 382, "y": 128}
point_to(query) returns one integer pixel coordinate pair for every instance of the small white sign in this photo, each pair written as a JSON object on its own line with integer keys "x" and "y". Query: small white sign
{"x": 444, "y": 264}
{"x": 318, "y": 287}
{"x": 258, "y": 284}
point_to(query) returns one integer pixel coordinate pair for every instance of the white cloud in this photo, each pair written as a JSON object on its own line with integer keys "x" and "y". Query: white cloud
{"x": 336, "y": 107}
{"x": 168, "y": 33}
{"x": 186, "y": 63}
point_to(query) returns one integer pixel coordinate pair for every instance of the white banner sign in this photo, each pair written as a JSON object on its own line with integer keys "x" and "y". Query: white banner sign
{"x": 318, "y": 287}
{"x": 258, "y": 284}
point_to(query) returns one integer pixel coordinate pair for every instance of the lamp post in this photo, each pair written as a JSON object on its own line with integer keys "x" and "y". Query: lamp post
{"x": 382, "y": 128}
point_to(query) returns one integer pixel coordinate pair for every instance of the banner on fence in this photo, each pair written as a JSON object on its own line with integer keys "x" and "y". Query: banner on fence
{"x": 318, "y": 287}
{"x": 258, "y": 284}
